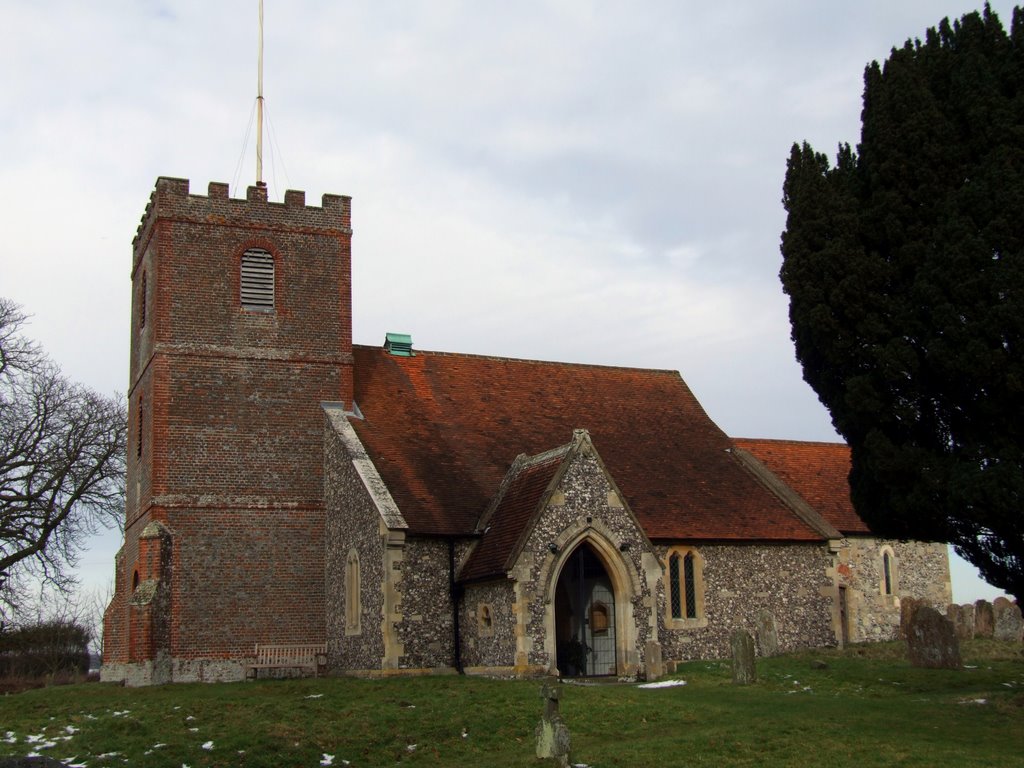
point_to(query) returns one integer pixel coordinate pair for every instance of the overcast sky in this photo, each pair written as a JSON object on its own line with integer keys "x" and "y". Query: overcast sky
{"x": 593, "y": 182}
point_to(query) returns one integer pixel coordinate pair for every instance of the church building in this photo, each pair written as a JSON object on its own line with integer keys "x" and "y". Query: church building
{"x": 415, "y": 511}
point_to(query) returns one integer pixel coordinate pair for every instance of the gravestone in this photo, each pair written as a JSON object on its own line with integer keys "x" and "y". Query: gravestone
{"x": 744, "y": 669}
{"x": 962, "y": 617}
{"x": 552, "y": 732}
{"x": 1007, "y": 623}
{"x": 984, "y": 619}
{"x": 908, "y": 605}
{"x": 931, "y": 641}
{"x": 767, "y": 633}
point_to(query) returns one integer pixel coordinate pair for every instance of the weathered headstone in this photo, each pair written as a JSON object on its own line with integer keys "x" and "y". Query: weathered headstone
{"x": 962, "y": 617}
{"x": 767, "y": 633}
{"x": 1007, "y": 624}
{"x": 931, "y": 641}
{"x": 744, "y": 669}
{"x": 984, "y": 619}
{"x": 967, "y": 620}
{"x": 908, "y": 605}
{"x": 552, "y": 732}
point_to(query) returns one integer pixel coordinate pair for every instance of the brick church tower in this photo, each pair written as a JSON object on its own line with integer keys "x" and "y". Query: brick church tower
{"x": 240, "y": 329}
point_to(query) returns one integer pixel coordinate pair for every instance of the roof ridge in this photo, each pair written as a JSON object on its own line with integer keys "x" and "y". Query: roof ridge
{"x": 500, "y": 358}
{"x": 790, "y": 441}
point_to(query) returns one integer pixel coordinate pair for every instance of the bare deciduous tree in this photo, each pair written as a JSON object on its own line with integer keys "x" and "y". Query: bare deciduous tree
{"x": 62, "y": 457}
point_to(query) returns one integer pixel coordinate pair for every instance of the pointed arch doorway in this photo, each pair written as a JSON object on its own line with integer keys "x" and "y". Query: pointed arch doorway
{"x": 585, "y": 616}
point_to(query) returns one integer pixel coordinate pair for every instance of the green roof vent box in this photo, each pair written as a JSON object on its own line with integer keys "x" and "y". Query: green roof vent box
{"x": 398, "y": 344}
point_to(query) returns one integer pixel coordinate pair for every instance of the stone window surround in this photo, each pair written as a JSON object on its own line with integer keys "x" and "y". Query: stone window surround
{"x": 485, "y": 620}
{"x": 353, "y": 595}
{"x": 701, "y": 619}
{"x": 887, "y": 562}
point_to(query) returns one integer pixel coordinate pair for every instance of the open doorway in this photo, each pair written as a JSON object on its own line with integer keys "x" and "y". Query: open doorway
{"x": 585, "y": 616}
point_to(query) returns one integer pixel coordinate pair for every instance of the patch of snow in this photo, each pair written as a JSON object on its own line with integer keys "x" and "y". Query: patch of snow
{"x": 411, "y": 748}
{"x": 208, "y": 746}
{"x": 326, "y": 759}
{"x": 193, "y": 730}
{"x": 11, "y": 737}
{"x": 663, "y": 684}
{"x": 974, "y": 701}
{"x": 314, "y": 696}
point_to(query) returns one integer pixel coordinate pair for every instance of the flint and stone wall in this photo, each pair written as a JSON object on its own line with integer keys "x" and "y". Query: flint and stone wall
{"x": 788, "y": 581}
{"x": 352, "y": 522}
{"x": 488, "y": 648}
{"x": 921, "y": 571}
{"x": 585, "y": 503}
{"x": 425, "y": 626}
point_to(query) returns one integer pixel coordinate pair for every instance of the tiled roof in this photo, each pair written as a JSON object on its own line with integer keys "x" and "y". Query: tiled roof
{"x": 519, "y": 498}
{"x": 817, "y": 471}
{"x": 443, "y": 430}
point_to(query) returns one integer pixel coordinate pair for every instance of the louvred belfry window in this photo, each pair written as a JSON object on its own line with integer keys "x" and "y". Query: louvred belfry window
{"x": 257, "y": 279}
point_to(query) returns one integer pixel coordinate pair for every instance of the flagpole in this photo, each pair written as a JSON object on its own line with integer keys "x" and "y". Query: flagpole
{"x": 259, "y": 109}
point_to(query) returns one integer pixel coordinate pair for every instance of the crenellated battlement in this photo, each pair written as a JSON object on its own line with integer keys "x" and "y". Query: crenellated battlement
{"x": 171, "y": 199}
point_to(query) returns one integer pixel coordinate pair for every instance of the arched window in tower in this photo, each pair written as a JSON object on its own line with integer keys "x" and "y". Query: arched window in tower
{"x": 353, "y": 609}
{"x": 257, "y": 280}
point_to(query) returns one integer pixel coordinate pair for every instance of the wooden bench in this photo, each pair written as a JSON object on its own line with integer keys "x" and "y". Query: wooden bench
{"x": 301, "y": 656}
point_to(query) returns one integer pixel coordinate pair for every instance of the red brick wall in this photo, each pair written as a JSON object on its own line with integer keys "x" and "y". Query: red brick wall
{"x": 232, "y": 430}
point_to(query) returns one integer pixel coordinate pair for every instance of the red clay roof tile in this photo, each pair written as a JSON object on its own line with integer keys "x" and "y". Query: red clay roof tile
{"x": 817, "y": 471}
{"x": 519, "y": 500}
{"x": 443, "y": 429}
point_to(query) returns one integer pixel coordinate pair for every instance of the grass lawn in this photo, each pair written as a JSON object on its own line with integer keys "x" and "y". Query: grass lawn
{"x": 867, "y": 708}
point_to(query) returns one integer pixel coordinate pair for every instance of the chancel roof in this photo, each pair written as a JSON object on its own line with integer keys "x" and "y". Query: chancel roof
{"x": 819, "y": 472}
{"x": 444, "y": 429}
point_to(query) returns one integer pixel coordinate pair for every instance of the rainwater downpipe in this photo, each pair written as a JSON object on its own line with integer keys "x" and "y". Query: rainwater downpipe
{"x": 456, "y": 592}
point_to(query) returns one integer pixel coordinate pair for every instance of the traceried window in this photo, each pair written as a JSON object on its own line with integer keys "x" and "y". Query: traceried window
{"x": 353, "y": 607}
{"x": 257, "y": 280}
{"x": 685, "y": 588}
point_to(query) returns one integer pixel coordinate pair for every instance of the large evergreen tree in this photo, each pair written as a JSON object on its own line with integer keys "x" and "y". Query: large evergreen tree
{"x": 904, "y": 264}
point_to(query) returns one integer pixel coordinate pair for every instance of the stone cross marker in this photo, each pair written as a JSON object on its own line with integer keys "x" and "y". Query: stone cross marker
{"x": 552, "y": 732}
{"x": 744, "y": 670}
{"x": 931, "y": 641}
